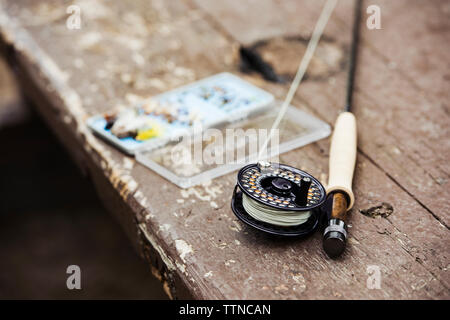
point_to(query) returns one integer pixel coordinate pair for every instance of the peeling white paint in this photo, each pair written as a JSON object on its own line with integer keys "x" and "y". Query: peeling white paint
{"x": 301, "y": 282}
{"x": 235, "y": 227}
{"x": 128, "y": 163}
{"x": 187, "y": 192}
{"x": 165, "y": 227}
{"x": 141, "y": 199}
{"x": 89, "y": 39}
{"x": 229, "y": 262}
{"x": 181, "y": 267}
{"x": 223, "y": 245}
{"x": 183, "y": 248}
{"x": 164, "y": 257}
{"x": 206, "y": 192}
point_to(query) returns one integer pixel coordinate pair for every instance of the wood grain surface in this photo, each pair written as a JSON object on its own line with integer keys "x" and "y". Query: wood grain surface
{"x": 190, "y": 238}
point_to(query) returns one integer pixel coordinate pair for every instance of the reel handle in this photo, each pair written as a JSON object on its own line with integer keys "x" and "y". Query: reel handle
{"x": 343, "y": 156}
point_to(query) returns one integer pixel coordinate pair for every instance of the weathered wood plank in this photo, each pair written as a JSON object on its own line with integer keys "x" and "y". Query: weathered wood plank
{"x": 198, "y": 250}
{"x": 418, "y": 139}
{"x": 417, "y": 89}
{"x": 381, "y": 128}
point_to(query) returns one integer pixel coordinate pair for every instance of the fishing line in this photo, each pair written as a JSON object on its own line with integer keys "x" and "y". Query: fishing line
{"x": 312, "y": 45}
{"x": 273, "y": 216}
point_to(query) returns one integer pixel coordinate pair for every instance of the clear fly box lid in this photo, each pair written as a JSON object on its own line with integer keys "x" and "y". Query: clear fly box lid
{"x": 208, "y": 153}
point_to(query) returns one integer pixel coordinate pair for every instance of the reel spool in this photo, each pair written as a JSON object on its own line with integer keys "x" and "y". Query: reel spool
{"x": 278, "y": 199}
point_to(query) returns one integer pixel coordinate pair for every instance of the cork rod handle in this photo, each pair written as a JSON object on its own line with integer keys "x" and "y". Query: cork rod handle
{"x": 343, "y": 156}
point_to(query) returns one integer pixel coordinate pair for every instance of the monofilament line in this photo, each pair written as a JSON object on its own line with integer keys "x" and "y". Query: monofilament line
{"x": 274, "y": 216}
{"x": 312, "y": 45}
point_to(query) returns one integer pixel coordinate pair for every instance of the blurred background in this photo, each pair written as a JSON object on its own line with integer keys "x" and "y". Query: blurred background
{"x": 34, "y": 223}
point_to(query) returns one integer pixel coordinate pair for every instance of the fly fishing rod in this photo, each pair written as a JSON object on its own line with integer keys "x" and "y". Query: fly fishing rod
{"x": 283, "y": 200}
{"x": 342, "y": 160}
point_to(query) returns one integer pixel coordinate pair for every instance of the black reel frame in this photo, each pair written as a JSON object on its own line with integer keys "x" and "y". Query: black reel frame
{"x": 310, "y": 226}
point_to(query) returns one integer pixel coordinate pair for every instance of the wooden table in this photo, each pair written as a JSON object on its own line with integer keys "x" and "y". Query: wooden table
{"x": 190, "y": 238}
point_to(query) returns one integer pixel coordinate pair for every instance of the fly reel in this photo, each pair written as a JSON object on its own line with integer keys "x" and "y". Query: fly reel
{"x": 278, "y": 199}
